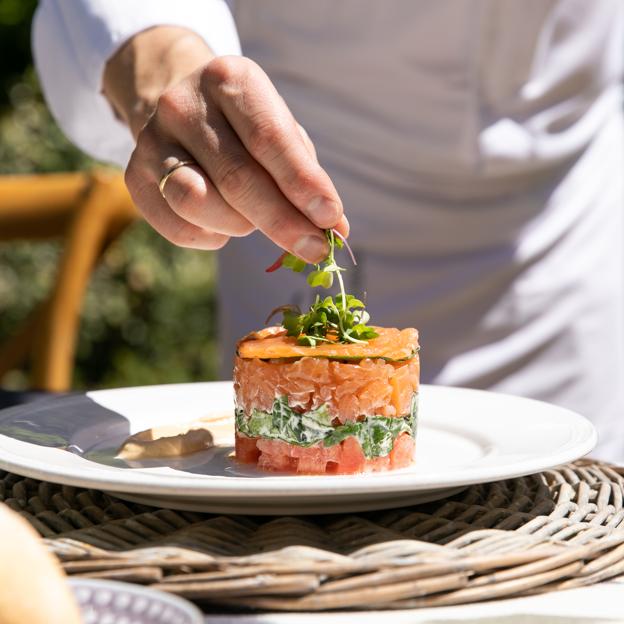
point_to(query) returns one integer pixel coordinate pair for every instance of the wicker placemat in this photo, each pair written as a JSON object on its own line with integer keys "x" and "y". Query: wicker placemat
{"x": 559, "y": 529}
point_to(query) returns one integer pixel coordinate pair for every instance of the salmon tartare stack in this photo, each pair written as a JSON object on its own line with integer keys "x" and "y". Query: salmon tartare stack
{"x": 331, "y": 408}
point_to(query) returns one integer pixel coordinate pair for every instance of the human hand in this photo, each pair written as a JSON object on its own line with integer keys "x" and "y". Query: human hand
{"x": 256, "y": 168}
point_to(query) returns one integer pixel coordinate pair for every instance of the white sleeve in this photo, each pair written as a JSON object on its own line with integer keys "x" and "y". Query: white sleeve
{"x": 73, "y": 40}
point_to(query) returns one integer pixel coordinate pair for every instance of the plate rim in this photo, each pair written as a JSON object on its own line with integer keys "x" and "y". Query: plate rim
{"x": 215, "y": 487}
{"x": 180, "y": 602}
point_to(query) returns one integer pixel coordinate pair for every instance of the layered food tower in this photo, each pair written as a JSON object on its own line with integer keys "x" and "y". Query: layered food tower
{"x": 330, "y": 408}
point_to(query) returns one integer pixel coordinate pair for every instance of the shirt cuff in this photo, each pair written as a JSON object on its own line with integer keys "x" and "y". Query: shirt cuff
{"x": 73, "y": 40}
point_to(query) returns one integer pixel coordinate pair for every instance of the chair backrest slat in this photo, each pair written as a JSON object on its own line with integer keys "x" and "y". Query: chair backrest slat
{"x": 88, "y": 210}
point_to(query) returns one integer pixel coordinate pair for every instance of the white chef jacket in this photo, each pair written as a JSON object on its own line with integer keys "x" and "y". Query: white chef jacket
{"x": 478, "y": 149}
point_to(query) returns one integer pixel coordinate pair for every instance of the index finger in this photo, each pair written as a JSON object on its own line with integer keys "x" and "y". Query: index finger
{"x": 269, "y": 132}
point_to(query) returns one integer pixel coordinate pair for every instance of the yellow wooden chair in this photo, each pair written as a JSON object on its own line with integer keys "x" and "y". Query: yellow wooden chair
{"x": 87, "y": 211}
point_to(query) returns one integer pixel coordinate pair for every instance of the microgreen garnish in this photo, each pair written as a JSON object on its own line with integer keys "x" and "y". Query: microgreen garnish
{"x": 293, "y": 309}
{"x": 344, "y": 242}
{"x": 288, "y": 261}
{"x": 277, "y": 264}
{"x": 329, "y": 320}
{"x": 332, "y": 319}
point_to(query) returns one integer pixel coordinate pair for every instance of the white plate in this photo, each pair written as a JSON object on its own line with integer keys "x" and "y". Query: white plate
{"x": 464, "y": 437}
{"x": 113, "y": 602}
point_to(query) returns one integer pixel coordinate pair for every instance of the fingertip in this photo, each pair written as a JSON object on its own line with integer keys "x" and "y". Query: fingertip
{"x": 343, "y": 226}
{"x": 311, "y": 248}
{"x": 212, "y": 241}
{"x": 324, "y": 212}
{"x": 193, "y": 237}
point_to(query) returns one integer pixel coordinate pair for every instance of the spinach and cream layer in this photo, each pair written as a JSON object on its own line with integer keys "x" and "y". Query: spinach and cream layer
{"x": 376, "y": 434}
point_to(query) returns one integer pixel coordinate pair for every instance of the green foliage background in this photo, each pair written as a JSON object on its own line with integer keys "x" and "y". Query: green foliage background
{"x": 149, "y": 314}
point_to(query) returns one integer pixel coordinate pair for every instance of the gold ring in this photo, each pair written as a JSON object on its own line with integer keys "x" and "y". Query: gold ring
{"x": 169, "y": 172}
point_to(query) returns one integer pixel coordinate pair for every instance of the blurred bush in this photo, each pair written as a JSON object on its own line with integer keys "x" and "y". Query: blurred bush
{"x": 149, "y": 314}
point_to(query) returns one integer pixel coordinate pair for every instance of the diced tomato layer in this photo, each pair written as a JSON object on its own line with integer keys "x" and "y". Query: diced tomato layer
{"x": 402, "y": 453}
{"x": 246, "y": 450}
{"x": 344, "y": 458}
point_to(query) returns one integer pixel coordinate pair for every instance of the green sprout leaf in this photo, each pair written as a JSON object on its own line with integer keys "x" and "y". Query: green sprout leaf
{"x": 293, "y": 263}
{"x": 320, "y": 278}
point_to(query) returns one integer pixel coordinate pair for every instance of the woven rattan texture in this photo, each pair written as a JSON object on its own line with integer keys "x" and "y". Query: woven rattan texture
{"x": 562, "y": 528}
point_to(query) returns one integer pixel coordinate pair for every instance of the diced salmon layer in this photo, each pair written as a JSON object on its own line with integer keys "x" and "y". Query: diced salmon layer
{"x": 344, "y": 458}
{"x": 350, "y": 389}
